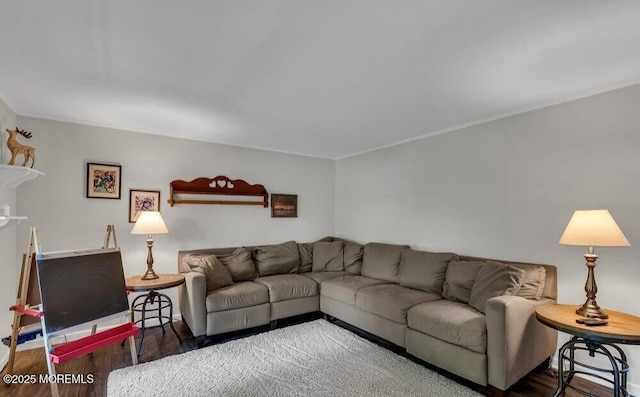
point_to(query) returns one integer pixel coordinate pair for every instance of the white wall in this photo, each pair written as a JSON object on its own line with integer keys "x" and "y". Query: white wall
{"x": 56, "y": 203}
{"x": 507, "y": 188}
{"x": 8, "y": 268}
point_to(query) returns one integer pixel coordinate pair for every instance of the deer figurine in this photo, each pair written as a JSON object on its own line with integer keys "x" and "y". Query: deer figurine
{"x": 16, "y": 148}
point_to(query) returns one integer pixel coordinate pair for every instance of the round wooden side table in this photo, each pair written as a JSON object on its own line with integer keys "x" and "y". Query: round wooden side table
{"x": 151, "y": 305}
{"x": 622, "y": 328}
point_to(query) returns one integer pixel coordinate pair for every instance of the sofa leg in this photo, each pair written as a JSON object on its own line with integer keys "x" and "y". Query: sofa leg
{"x": 495, "y": 392}
{"x": 545, "y": 365}
{"x": 273, "y": 324}
{"x": 200, "y": 341}
{"x": 328, "y": 317}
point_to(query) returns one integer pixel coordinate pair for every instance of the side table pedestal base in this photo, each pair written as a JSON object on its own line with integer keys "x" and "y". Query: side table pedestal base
{"x": 617, "y": 373}
{"x": 151, "y": 307}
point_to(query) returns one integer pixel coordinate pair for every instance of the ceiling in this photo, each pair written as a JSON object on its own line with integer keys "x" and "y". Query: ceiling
{"x": 324, "y": 78}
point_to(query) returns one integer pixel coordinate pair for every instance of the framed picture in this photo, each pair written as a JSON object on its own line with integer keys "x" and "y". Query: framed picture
{"x": 142, "y": 200}
{"x": 284, "y": 205}
{"x": 103, "y": 181}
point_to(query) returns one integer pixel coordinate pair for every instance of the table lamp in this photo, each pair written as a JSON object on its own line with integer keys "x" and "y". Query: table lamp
{"x": 149, "y": 222}
{"x": 592, "y": 228}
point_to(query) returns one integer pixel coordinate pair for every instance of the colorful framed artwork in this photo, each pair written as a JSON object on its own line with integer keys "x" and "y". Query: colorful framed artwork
{"x": 142, "y": 200}
{"x": 284, "y": 205}
{"x": 103, "y": 181}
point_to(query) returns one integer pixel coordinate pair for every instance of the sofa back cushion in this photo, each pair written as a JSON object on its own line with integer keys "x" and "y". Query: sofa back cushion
{"x": 381, "y": 261}
{"x": 494, "y": 279}
{"x": 424, "y": 270}
{"x": 328, "y": 257}
{"x": 215, "y": 273}
{"x": 240, "y": 264}
{"x": 534, "y": 280}
{"x": 459, "y": 280}
{"x": 277, "y": 259}
{"x": 550, "y": 287}
{"x": 353, "y": 257}
{"x": 306, "y": 257}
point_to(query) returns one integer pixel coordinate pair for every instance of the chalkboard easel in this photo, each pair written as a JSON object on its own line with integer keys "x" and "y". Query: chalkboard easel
{"x": 28, "y": 296}
{"x": 32, "y": 308}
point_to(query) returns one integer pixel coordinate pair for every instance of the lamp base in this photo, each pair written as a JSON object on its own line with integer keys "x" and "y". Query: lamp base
{"x": 591, "y": 309}
{"x": 150, "y": 275}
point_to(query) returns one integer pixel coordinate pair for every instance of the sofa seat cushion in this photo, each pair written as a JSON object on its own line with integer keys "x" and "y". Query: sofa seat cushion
{"x": 392, "y": 301}
{"x": 344, "y": 288}
{"x": 453, "y": 322}
{"x": 288, "y": 286}
{"x": 321, "y": 276}
{"x": 236, "y": 296}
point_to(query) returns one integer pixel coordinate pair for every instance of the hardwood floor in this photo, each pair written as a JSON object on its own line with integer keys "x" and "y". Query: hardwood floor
{"x": 539, "y": 383}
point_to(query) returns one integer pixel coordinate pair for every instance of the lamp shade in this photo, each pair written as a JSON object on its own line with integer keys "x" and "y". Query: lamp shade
{"x": 150, "y": 222}
{"x": 593, "y": 228}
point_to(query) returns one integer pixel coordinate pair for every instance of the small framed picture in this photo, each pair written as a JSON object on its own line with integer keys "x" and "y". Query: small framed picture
{"x": 284, "y": 205}
{"x": 103, "y": 181}
{"x": 142, "y": 200}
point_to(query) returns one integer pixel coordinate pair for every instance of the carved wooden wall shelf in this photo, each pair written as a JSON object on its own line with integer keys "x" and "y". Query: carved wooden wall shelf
{"x": 220, "y": 185}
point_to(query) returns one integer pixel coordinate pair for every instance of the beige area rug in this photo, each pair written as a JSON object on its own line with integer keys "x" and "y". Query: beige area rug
{"x": 311, "y": 359}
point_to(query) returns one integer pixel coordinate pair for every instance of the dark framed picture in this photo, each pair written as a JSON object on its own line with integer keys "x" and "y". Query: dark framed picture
{"x": 284, "y": 205}
{"x": 103, "y": 181}
{"x": 142, "y": 200}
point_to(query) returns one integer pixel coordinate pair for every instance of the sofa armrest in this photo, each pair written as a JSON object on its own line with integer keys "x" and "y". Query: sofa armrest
{"x": 516, "y": 341}
{"x": 192, "y": 296}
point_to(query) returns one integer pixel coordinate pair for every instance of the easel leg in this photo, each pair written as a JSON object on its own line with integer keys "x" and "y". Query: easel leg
{"x": 14, "y": 341}
{"x": 111, "y": 231}
{"x": 50, "y": 366}
{"x": 23, "y": 291}
{"x": 54, "y": 388}
{"x": 134, "y": 353}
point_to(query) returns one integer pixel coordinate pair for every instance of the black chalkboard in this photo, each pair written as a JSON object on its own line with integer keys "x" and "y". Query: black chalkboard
{"x": 80, "y": 287}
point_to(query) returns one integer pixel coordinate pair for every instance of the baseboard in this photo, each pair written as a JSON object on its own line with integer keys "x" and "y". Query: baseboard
{"x": 4, "y": 360}
{"x": 37, "y": 343}
{"x": 632, "y": 388}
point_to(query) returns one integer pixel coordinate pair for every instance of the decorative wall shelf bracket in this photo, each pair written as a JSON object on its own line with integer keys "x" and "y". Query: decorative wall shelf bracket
{"x": 6, "y": 221}
{"x": 220, "y": 185}
{"x": 12, "y": 175}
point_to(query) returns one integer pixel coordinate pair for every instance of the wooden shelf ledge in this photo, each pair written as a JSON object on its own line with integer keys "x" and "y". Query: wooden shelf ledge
{"x": 220, "y": 185}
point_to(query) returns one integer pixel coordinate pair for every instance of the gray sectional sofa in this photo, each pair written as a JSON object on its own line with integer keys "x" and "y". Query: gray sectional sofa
{"x": 473, "y": 317}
